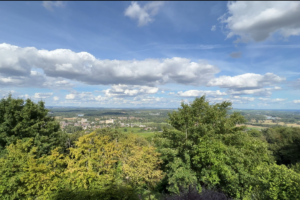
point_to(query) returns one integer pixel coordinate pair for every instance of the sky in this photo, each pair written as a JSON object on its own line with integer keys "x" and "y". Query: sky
{"x": 151, "y": 54}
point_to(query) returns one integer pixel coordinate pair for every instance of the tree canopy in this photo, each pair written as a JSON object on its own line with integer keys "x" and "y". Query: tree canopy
{"x": 21, "y": 119}
{"x": 209, "y": 148}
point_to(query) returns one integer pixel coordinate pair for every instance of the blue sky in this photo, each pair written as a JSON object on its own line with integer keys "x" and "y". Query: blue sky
{"x": 151, "y": 54}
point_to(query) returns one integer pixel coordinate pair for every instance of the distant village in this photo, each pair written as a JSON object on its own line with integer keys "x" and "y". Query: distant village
{"x": 90, "y": 124}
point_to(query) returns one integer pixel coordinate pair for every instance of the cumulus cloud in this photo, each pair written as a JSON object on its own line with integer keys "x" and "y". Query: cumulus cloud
{"x": 50, "y": 4}
{"x": 213, "y": 28}
{"x": 42, "y": 95}
{"x": 246, "y": 81}
{"x": 197, "y": 93}
{"x": 86, "y": 68}
{"x": 296, "y": 101}
{"x": 145, "y": 14}
{"x": 129, "y": 91}
{"x": 258, "y": 20}
{"x": 236, "y": 54}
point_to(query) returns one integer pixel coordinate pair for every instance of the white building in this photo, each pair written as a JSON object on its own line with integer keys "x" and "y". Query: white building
{"x": 109, "y": 121}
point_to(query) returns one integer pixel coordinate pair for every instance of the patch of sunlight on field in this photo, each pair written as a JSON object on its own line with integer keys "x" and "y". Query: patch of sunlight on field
{"x": 137, "y": 131}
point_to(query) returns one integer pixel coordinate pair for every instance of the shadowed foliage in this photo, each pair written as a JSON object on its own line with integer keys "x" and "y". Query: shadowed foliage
{"x": 192, "y": 194}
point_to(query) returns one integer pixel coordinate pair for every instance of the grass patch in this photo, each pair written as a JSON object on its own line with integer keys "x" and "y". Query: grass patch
{"x": 256, "y": 128}
{"x": 137, "y": 131}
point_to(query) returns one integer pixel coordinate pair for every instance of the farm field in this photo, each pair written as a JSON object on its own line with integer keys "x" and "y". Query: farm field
{"x": 281, "y": 123}
{"x": 137, "y": 131}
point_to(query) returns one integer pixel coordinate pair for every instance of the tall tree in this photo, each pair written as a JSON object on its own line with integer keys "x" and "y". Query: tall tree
{"x": 21, "y": 119}
{"x": 206, "y": 147}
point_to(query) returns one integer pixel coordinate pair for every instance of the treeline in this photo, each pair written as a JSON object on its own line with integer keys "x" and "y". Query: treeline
{"x": 203, "y": 156}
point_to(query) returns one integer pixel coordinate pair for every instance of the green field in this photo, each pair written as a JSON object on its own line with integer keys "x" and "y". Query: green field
{"x": 256, "y": 128}
{"x": 137, "y": 131}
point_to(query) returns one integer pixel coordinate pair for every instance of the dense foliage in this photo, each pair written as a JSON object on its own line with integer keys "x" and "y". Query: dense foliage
{"x": 21, "y": 119}
{"x": 284, "y": 142}
{"x": 97, "y": 164}
{"x": 204, "y": 155}
{"x": 207, "y": 148}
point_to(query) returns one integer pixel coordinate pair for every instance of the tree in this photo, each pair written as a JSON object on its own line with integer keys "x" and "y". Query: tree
{"x": 73, "y": 129}
{"x": 205, "y": 147}
{"x": 284, "y": 142}
{"x": 21, "y": 119}
{"x": 276, "y": 182}
{"x": 101, "y": 165}
{"x": 24, "y": 176}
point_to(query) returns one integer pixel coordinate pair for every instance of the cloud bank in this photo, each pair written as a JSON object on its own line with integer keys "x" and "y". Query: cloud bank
{"x": 83, "y": 67}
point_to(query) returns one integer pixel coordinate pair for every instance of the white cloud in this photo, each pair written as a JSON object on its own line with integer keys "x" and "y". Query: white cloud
{"x": 272, "y": 100}
{"x": 145, "y": 14}
{"x": 246, "y": 81}
{"x": 42, "y": 95}
{"x": 244, "y": 98}
{"x": 296, "y": 101}
{"x": 197, "y": 93}
{"x": 70, "y": 96}
{"x": 88, "y": 99}
{"x": 191, "y": 46}
{"x": 55, "y": 98}
{"x": 127, "y": 90}
{"x": 57, "y": 83}
{"x": 84, "y": 97}
{"x": 213, "y": 28}
{"x": 50, "y": 4}
{"x": 147, "y": 100}
{"x": 258, "y": 20}
{"x": 84, "y": 67}
{"x": 34, "y": 79}
{"x": 171, "y": 93}
{"x": 233, "y": 99}
{"x": 255, "y": 92}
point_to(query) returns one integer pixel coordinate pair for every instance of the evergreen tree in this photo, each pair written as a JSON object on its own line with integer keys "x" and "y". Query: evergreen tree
{"x": 21, "y": 119}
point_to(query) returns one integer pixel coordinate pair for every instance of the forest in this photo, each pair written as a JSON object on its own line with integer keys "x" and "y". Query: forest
{"x": 206, "y": 152}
